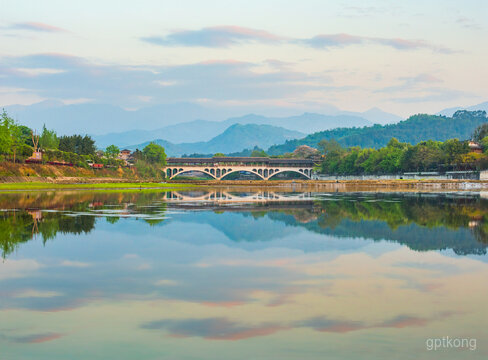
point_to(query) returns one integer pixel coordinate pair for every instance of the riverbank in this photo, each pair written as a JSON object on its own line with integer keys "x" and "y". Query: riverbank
{"x": 19, "y": 173}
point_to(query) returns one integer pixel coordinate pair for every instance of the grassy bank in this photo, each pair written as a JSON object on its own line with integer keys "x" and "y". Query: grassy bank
{"x": 27, "y": 186}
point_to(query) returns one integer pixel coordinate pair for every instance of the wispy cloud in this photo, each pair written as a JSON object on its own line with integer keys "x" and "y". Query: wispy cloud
{"x": 226, "y": 36}
{"x": 326, "y": 41}
{"x": 76, "y": 264}
{"x": 36, "y": 338}
{"x": 435, "y": 94}
{"x": 37, "y": 26}
{"x": 72, "y": 77}
{"x": 216, "y": 37}
{"x": 411, "y": 83}
{"x": 468, "y": 23}
{"x": 213, "y": 328}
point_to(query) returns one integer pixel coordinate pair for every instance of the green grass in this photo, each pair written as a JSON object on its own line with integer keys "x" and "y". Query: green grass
{"x": 27, "y": 186}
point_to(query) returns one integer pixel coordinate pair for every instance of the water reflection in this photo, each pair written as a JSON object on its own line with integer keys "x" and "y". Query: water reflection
{"x": 420, "y": 221}
{"x": 228, "y": 274}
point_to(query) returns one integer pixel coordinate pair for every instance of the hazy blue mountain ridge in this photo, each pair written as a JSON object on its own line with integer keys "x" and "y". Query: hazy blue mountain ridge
{"x": 235, "y": 138}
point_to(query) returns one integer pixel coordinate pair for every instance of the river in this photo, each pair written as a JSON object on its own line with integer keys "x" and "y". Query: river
{"x": 243, "y": 274}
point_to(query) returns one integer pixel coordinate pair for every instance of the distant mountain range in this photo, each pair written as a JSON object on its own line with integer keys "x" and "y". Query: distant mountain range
{"x": 204, "y": 130}
{"x": 417, "y": 128}
{"x": 177, "y": 122}
{"x": 233, "y": 139}
{"x": 451, "y": 111}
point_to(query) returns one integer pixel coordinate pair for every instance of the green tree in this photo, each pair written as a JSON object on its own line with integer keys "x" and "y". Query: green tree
{"x": 11, "y": 137}
{"x": 26, "y": 135}
{"x": 453, "y": 150}
{"x": 155, "y": 154}
{"x": 112, "y": 151}
{"x": 48, "y": 139}
{"x": 484, "y": 144}
{"x": 81, "y": 145}
{"x": 258, "y": 153}
{"x": 219, "y": 154}
{"x": 329, "y": 146}
{"x": 480, "y": 132}
{"x": 6, "y": 125}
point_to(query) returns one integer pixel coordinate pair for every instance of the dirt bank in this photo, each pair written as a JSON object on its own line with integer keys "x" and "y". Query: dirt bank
{"x": 14, "y": 173}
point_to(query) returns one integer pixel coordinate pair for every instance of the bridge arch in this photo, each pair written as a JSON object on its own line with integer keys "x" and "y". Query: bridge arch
{"x": 303, "y": 173}
{"x": 189, "y": 170}
{"x": 253, "y": 171}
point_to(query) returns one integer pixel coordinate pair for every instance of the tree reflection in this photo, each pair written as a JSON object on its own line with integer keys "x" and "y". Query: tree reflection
{"x": 421, "y": 222}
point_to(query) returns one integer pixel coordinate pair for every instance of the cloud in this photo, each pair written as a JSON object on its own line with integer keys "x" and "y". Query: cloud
{"x": 32, "y": 293}
{"x": 77, "y": 264}
{"x": 326, "y": 41}
{"x": 73, "y": 77}
{"x": 226, "y": 36}
{"x": 18, "y": 268}
{"x": 324, "y": 324}
{"x": 36, "y": 26}
{"x": 221, "y": 328}
{"x": 411, "y": 83}
{"x": 468, "y": 23}
{"x": 36, "y": 338}
{"x": 435, "y": 94}
{"x": 218, "y": 328}
{"x": 215, "y": 37}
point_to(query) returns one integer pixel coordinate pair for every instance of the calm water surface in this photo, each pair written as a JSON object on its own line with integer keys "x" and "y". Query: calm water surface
{"x": 242, "y": 275}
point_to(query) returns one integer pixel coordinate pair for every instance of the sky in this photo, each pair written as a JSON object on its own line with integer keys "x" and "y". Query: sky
{"x": 404, "y": 57}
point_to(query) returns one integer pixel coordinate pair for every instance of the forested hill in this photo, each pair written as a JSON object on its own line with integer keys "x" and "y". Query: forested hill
{"x": 413, "y": 130}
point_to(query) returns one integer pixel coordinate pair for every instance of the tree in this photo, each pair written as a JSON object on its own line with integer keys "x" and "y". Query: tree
{"x": 484, "y": 144}
{"x": 6, "y": 126}
{"x": 112, "y": 151}
{"x": 480, "y": 132}
{"x": 219, "y": 154}
{"x": 48, "y": 139}
{"x": 11, "y": 138}
{"x": 258, "y": 153}
{"x": 453, "y": 150}
{"x": 26, "y": 135}
{"x": 328, "y": 146}
{"x": 155, "y": 154}
{"x": 81, "y": 145}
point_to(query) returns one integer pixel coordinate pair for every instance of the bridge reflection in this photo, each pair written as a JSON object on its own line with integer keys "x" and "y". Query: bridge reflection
{"x": 233, "y": 196}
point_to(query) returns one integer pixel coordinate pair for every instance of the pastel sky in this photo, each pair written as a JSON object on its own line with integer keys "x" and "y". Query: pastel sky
{"x": 404, "y": 57}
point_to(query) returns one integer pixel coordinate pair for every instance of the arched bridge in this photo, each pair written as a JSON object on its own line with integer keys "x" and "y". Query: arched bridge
{"x": 219, "y": 167}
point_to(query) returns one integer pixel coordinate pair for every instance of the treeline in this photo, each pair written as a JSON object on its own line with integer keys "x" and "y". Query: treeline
{"x": 397, "y": 157}
{"x": 415, "y": 129}
{"x": 16, "y": 144}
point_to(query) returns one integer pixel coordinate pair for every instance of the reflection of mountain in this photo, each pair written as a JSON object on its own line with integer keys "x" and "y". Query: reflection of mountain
{"x": 421, "y": 222}
{"x": 462, "y": 241}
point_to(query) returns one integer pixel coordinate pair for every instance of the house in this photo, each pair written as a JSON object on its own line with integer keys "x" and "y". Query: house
{"x": 126, "y": 156}
{"x": 475, "y": 147}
